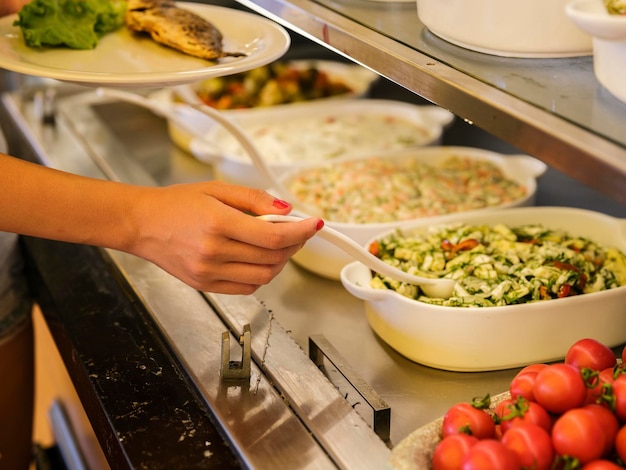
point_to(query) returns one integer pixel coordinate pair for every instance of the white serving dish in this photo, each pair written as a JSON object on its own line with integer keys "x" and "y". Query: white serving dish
{"x": 531, "y": 28}
{"x": 492, "y": 338}
{"x": 239, "y": 169}
{"x": 358, "y": 78}
{"x": 326, "y": 260}
{"x": 609, "y": 42}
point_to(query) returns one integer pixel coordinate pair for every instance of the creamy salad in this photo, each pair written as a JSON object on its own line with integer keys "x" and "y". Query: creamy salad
{"x": 378, "y": 190}
{"x": 322, "y": 137}
{"x": 501, "y": 265}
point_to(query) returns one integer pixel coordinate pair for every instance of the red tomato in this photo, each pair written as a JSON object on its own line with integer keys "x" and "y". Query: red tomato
{"x": 620, "y": 443}
{"x": 590, "y": 353}
{"x": 559, "y": 387}
{"x": 450, "y": 452}
{"x": 601, "y": 465}
{"x": 490, "y": 454}
{"x": 618, "y": 402}
{"x": 532, "y": 368}
{"x": 578, "y": 434}
{"x": 608, "y": 423}
{"x": 596, "y": 390}
{"x": 522, "y": 385}
{"x": 532, "y": 444}
{"x": 510, "y": 413}
{"x": 465, "y": 418}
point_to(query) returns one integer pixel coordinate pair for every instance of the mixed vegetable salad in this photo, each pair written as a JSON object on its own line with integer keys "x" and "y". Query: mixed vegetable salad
{"x": 269, "y": 85}
{"x": 378, "y": 190}
{"x": 501, "y": 265}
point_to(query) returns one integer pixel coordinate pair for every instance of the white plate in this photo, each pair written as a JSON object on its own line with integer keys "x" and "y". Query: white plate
{"x": 123, "y": 59}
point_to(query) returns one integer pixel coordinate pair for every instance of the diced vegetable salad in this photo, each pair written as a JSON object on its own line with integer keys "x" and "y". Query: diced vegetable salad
{"x": 377, "y": 190}
{"x": 501, "y": 265}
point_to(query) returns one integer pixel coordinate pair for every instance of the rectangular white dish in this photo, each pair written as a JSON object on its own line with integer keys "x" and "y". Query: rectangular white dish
{"x": 492, "y": 338}
{"x": 289, "y": 137}
{"x": 324, "y": 259}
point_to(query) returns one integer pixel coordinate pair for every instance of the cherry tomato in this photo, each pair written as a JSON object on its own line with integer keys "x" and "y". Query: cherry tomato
{"x": 559, "y": 387}
{"x": 620, "y": 443}
{"x": 532, "y": 444}
{"x": 490, "y": 454}
{"x": 522, "y": 385}
{"x": 466, "y": 418}
{"x": 597, "y": 389}
{"x": 601, "y": 465}
{"x": 591, "y": 354}
{"x": 608, "y": 423}
{"x": 450, "y": 452}
{"x": 578, "y": 434}
{"x": 532, "y": 368}
{"x": 511, "y": 412}
{"x": 618, "y": 401}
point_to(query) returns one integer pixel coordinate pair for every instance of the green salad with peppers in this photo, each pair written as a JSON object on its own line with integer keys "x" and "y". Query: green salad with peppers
{"x": 500, "y": 265}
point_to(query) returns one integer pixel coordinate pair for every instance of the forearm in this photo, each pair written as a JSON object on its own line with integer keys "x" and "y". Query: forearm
{"x": 46, "y": 203}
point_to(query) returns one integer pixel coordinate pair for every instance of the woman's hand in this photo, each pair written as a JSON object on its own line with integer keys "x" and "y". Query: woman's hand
{"x": 204, "y": 235}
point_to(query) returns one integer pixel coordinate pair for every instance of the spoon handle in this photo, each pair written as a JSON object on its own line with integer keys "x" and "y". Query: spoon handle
{"x": 361, "y": 254}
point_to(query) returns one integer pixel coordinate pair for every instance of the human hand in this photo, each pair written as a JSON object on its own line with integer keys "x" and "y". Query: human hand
{"x": 203, "y": 234}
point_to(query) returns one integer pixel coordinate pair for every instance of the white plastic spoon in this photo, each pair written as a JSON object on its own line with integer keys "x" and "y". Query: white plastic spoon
{"x": 432, "y": 287}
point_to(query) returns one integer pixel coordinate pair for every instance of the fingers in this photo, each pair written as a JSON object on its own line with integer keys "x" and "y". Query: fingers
{"x": 270, "y": 235}
{"x": 251, "y": 200}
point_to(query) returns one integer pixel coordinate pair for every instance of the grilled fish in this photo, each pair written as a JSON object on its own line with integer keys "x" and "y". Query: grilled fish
{"x": 177, "y": 28}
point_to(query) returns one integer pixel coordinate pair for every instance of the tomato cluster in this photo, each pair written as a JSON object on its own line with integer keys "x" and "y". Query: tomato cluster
{"x": 559, "y": 416}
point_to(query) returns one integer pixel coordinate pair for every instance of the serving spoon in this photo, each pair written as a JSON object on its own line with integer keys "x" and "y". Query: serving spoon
{"x": 432, "y": 287}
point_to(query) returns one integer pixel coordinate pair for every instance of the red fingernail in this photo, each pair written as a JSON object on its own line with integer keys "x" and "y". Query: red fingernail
{"x": 280, "y": 204}
{"x": 320, "y": 225}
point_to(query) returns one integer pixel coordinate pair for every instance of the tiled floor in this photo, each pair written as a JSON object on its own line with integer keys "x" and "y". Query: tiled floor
{"x": 53, "y": 383}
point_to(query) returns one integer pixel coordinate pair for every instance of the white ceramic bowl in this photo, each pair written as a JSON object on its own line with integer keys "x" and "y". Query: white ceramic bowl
{"x": 509, "y": 28}
{"x": 492, "y": 338}
{"x": 358, "y": 78}
{"x": 326, "y": 260}
{"x": 609, "y": 42}
{"x": 217, "y": 146}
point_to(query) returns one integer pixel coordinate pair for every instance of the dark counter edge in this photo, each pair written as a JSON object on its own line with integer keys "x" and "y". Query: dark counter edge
{"x": 141, "y": 404}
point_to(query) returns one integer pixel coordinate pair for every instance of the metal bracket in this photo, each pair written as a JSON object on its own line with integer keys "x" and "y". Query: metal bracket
{"x": 320, "y": 348}
{"x": 236, "y": 370}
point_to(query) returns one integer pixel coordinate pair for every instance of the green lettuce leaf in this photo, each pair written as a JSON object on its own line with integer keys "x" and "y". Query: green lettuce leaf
{"x": 77, "y": 24}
